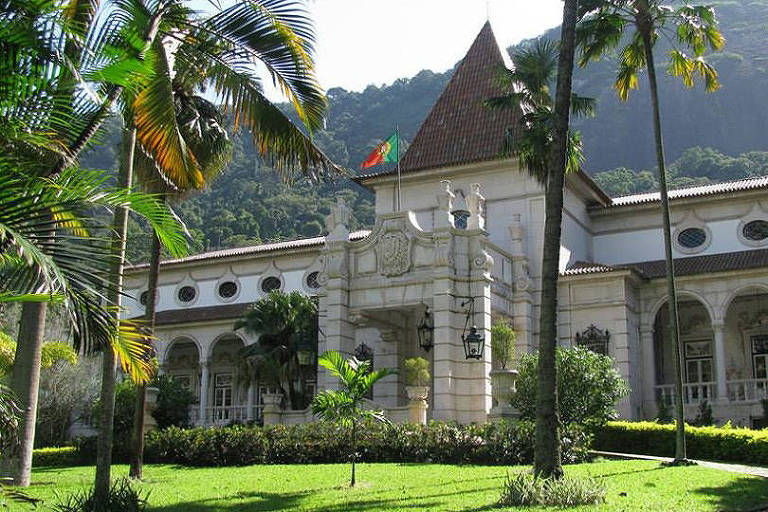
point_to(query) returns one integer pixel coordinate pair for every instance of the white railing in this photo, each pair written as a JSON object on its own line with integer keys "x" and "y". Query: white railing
{"x": 222, "y": 415}
{"x": 693, "y": 393}
{"x": 747, "y": 390}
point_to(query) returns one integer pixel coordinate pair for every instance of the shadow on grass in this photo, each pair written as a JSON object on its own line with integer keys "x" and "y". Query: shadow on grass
{"x": 619, "y": 473}
{"x": 742, "y": 494}
{"x": 267, "y": 501}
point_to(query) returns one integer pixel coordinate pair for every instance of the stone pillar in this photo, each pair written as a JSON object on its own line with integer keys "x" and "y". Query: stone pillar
{"x": 719, "y": 352}
{"x": 522, "y": 298}
{"x": 447, "y": 345}
{"x": 648, "y": 380}
{"x": 334, "y": 301}
{"x": 271, "y": 414}
{"x": 204, "y": 367}
{"x": 250, "y": 400}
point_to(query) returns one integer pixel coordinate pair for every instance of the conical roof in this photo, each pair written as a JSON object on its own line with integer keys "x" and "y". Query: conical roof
{"x": 460, "y": 129}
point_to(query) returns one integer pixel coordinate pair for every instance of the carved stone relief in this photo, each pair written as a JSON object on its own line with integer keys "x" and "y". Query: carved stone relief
{"x": 393, "y": 250}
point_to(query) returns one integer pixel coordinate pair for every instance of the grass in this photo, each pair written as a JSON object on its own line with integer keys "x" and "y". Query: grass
{"x": 631, "y": 485}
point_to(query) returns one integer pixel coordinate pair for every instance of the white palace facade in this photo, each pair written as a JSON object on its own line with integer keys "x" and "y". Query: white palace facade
{"x": 466, "y": 241}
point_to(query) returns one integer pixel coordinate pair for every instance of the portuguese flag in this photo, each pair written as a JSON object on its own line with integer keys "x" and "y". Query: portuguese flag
{"x": 386, "y": 152}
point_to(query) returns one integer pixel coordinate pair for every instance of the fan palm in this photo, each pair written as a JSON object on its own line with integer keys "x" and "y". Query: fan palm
{"x": 284, "y": 324}
{"x": 345, "y": 405}
{"x": 547, "y": 155}
{"x": 693, "y": 27}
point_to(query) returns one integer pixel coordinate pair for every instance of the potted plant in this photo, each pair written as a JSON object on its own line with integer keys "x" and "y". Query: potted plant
{"x": 417, "y": 378}
{"x": 502, "y": 352}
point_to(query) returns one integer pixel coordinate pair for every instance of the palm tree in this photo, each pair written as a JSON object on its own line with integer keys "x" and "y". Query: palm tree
{"x": 693, "y": 27}
{"x": 345, "y": 406}
{"x": 179, "y": 132}
{"x": 536, "y": 146}
{"x": 49, "y": 252}
{"x": 285, "y": 323}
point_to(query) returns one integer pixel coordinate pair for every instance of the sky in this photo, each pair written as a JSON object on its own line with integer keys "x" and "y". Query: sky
{"x": 362, "y": 42}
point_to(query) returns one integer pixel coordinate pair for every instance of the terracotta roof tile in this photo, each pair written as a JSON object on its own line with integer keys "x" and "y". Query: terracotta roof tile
{"x": 202, "y": 314}
{"x": 253, "y": 249}
{"x": 688, "y": 266}
{"x": 460, "y": 129}
{"x": 757, "y": 183}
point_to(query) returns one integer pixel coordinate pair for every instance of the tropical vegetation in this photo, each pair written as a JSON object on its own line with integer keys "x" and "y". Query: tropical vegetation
{"x": 345, "y": 405}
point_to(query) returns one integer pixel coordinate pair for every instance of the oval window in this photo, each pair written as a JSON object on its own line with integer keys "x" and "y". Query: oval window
{"x": 144, "y": 297}
{"x": 692, "y": 237}
{"x": 227, "y": 289}
{"x": 187, "y": 294}
{"x": 757, "y": 230}
{"x": 312, "y": 280}
{"x": 270, "y": 283}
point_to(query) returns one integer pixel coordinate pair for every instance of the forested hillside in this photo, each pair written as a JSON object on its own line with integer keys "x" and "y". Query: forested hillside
{"x": 710, "y": 137}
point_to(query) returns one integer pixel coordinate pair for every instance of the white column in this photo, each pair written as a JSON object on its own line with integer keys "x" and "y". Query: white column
{"x": 250, "y": 401}
{"x": 203, "y": 390}
{"x": 650, "y": 407}
{"x": 719, "y": 332}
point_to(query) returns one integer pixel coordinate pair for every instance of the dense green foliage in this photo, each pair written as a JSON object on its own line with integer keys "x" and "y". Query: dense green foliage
{"x": 588, "y": 386}
{"x": 58, "y": 457}
{"x": 417, "y": 372}
{"x": 739, "y": 445}
{"x": 640, "y": 486}
{"x": 502, "y": 343}
{"x": 490, "y": 443}
{"x": 173, "y": 402}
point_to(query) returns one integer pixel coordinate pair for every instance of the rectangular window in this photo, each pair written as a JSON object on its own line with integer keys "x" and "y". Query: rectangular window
{"x": 222, "y": 397}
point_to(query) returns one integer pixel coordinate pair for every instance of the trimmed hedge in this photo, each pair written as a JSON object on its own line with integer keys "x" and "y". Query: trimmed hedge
{"x": 740, "y": 445}
{"x": 492, "y": 443}
{"x": 56, "y": 457}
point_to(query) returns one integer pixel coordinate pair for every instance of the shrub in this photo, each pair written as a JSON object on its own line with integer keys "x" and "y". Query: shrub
{"x": 417, "y": 372}
{"x": 173, "y": 402}
{"x": 527, "y": 490}
{"x": 588, "y": 386}
{"x": 502, "y": 343}
{"x": 56, "y": 457}
{"x": 123, "y": 497}
{"x": 741, "y": 445}
{"x": 498, "y": 443}
{"x": 704, "y": 415}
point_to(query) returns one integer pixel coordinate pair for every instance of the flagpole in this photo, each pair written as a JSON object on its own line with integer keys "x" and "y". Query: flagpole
{"x": 397, "y": 136}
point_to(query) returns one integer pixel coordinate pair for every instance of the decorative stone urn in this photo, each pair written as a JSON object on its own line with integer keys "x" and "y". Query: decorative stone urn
{"x": 417, "y": 403}
{"x": 272, "y": 408}
{"x": 503, "y": 387}
{"x": 150, "y": 405}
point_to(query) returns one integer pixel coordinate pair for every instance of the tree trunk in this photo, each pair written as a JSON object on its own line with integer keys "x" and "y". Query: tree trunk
{"x": 25, "y": 382}
{"x": 109, "y": 363}
{"x": 547, "y": 461}
{"x": 137, "y": 457}
{"x": 674, "y": 333}
{"x": 354, "y": 452}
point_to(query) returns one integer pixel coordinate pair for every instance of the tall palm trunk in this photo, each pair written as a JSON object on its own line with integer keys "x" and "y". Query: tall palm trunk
{"x": 25, "y": 382}
{"x": 645, "y": 30}
{"x": 109, "y": 363}
{"x": 137, "y": 457}
{"x": 547, "y": 461}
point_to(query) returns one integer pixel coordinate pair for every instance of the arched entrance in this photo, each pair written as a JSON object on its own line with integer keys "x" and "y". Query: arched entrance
{"x": 226, "y": 394}
{"x": 697, "y": 354}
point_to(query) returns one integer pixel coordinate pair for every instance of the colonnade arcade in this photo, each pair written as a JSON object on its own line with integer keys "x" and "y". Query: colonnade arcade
{"x": 724, "y": 350}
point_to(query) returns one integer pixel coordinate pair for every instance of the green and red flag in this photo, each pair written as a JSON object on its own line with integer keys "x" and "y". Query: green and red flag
{"x": 386, "y": 152}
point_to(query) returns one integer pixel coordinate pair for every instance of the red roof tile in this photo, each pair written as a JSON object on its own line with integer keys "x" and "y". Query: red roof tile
{"x": 688, "y": 266}
{"x": 460, "y": 129}
{"x": 756, "y": 183}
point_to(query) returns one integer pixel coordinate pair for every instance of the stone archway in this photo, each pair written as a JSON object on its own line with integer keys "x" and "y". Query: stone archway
{"x": 182, "y": 362}
{"x": 225, "y": 394}
{"x": 698, "y": 353}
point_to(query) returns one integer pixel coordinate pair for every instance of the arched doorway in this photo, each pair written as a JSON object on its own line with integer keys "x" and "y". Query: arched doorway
{"x": 227, "y": 396}
{"x": 697, "y": 354}
{"x": 746, "y": 347}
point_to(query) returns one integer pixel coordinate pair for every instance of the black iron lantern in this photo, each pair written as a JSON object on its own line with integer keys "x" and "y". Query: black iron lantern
{"x": 474, "y": 344}
{"x": 426, "y": 331}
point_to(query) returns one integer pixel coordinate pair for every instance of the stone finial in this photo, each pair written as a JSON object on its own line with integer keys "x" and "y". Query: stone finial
{"x": 476, "y": 207}
{"x": 337, "y": 222}
{"x": 443, "y": 217}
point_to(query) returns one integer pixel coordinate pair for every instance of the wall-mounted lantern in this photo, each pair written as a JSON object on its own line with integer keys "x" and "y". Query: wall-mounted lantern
{"x": 474, "y": 344}
{"x": 426, "y": 331}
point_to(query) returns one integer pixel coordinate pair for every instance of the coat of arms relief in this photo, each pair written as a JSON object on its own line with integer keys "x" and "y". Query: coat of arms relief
{"x": 394, "y": 253}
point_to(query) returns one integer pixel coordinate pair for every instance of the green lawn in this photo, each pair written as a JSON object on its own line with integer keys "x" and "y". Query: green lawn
{"x": 635, "y": 485}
